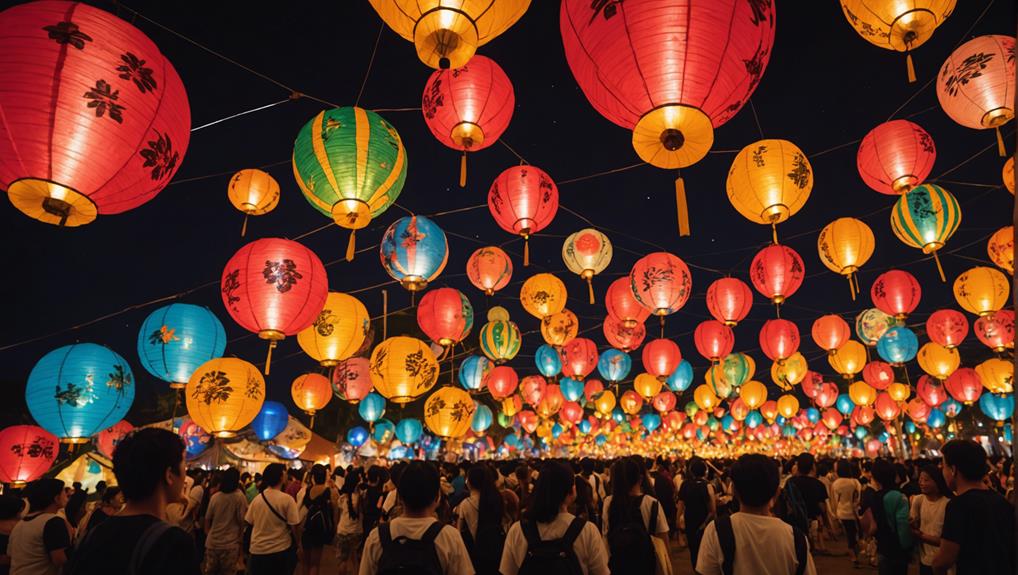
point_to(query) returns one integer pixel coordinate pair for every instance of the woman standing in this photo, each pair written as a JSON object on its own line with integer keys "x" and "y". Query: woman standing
{"x": 927, "y": 515}
{"x": 224, "y": 526}
{"x": 482, "y": 520}
{"x": 696, "y": 504}
{"x": 350, "y": 531}
{"x": 10, "y": 508}
{"x": 39, "y": 542}
{"x": 321, "y": 503}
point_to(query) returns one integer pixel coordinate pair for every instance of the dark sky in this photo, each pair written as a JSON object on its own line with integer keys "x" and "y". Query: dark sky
{"x": 825, "y": 87}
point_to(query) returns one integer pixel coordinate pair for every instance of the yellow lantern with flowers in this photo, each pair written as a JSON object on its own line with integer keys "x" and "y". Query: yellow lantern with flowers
{"x": 339, "y": 331}
{"x": 543, "y": 295}
{"x": 631, "y": 402}
{"x": 560, "y": 328}
{"x": 844, "y": 246}
{"x": 753, "y": 394}
{"x": 849, "y": 359}
{"x": 587, "y": 253}
{"x": 899, "y": 391}
{"x": 403, "y": 369}
{"x": 1000, "y": 247}
{"x": 769, "y": 182}
{"x": 647, "y": 385}
{"x": 861, "y": 393}
{"x": 253, "y": 192}
{"x": 788, "y": 406}
{"x": 997, "y": 375}
{"x": 224, "y": 395}
{"x": 448, "y": 412}
{"x": 938, "y": 361}
{"x": 982, "y": 290}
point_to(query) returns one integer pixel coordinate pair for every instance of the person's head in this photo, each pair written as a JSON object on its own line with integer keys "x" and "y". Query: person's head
{"x": 697, "y": 467}
{"x": 229, "y": 480}
{"x": 587, "y": 464}
{"x": 755, "y": 479}
{"x": 396, "y": 472}
{"x": 272, "y": 475}
{"x": 113, "y": 497}
{"x": 931, "y": 482}
{"x": 523, "y": 473}
{"x": 245, "y": 478}
{"x": 76, "y": 486}
{"x": 885, "y": 474}
{"x": 319, "y": 474}
{"x": 844, "y": 468}
{"x": 150, "y": 462}
{"x": 46, "y": 494}
{"x": 804, "y": 463}
{"x": 376, "y": 475}
{"x": 419, "y": 487}
{"x": 964, "y": 460}
{"x": 555, "y": 487}
{"x": 481, "y": 478}
{"x": 10, "y": 506}
{"x": 627, "y": 473}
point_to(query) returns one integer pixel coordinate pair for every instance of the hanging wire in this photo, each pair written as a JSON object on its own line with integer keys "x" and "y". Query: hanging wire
{"x": 244, "y": 113}
{"x": 514, "y": 152}
{"x": 756, "y": 118}
{"x": 371, "y": 61}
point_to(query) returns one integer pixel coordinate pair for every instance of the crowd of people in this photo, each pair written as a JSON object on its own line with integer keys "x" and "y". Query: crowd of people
{"x": 753, "y": 515}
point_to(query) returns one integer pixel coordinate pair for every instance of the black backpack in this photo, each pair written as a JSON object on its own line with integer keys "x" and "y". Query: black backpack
{"x": 486, "y": 550}
{"x": 320, "y": 523}
{"x": 726, "y": 538}
{"x": 629, "y": 542}
{"x": 792, "y": 507}
{"x": 405, "y": 556}
{"x": 555, "y": 556}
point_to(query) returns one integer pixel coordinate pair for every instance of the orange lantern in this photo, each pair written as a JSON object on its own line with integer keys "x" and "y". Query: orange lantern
{"x": 704, "y": 397}
{"x": 753, "y": 394}
{"x": 543, "y": 295}
{"x": 918, "y": 410}
{"x": 552, "y": 401}
{"x": 896, "y": 293}
{"x": 1007, "y": 174}
{"x": 997, "y": 375}
{"x": 937, "y": 360}
{"x": 631, "y": 402}
{"x": 788, "y": 373}
{"x": 579, "y": 358}
{"x": 886, "y": 408}
{"x": 253, "y": 192}
{"x": 661, "y": 283}
{"x": 844, "y": 246}
{"x": 729, "y": 300}
{"x": 403, "y": 369}
{"x": 861, "y": 393}
{"x": 661, "y": 357}
{"x": 849, "y": 359}
{"x": 664, "y": 401}
{"x": 501, "y": 381}
{"x": 646, "y": 385}
{"x": 996, "y": 330}
{"x": 339, "y": 332}
{"x": 947, "y": 327}
{"x": 489, "y": 269}
{"x": 777, "y": 272}
{"x": 311, "y": 392}
{"x": 532, "y": 389}
{"x": 1000, "y": 247}
{"x": 981, "y": 290}
{"x": 899, "y": 391}
{"x": 560, "y": 328}
{"x": 604, "y": 403}
{"x": 769, "y": 410}
{"x": 769, "y": 182}
{"x": 788, "y": 406}
{"x": 224, "y": 395}
{"x": 830, "y": 332}
{"x": 713, "y": 339}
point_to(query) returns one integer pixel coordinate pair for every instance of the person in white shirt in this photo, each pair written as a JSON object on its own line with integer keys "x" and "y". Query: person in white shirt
{"x": 845, "y": 493}
{"x": 763, "y": 544}
{"x": 927, "y": 514}
{"x": 275, "y": 536}
{"x": 349, "y": 528}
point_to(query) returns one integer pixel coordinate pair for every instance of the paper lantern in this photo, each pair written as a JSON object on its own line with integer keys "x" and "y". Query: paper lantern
{"x": 579, "y": 358}
{"x": 510, "y": 407}
{"x": 885, "y": 407}
{"x": 947, "y": 327}
{"x": 646, "y": 385}
{"x": 548, "y": 361}
{"x": 614, "y": 365}
{"x": 523, "y": 200}
{"x": 351, "y": 379}
{"x": 729, "y": 300}
{"x": 501, "y": 381}
{"x": 899, "y": 391}
{"x": 828, "y": 394}
{"x": 1000, "y": 248}
{"x": 997, "y": 375}
{"x": 338, "y": 332}
{"x": 1007, "y": 174}
{"x": 631, "y": 401}
{"x": 78, "y": 390}
{"x": 681, "y": 378}
{"x": 623, "y": 305}
{"x": 26, "y": 453}
{"x": 713, "y": 339}
{"x": 769, "y": 182}
{"x": 704, "y": 397}
{"x": 560, "y": 328}
{"x": 592, "y": 389}
{"x": 938, "y": 361}
{"x": 871, "y": 324}
{"x": 999, "y": 408}
{"x": 661, "y": 357}
{"x": 351, "y": 165}
{"x": 777, "y": 272}
{"x": 831, "y": 418}
{"x": 996, "y": 330}
{"x": 976, "y": 84}
{"x": 499, "y": 338}
{"x": 551, "y": 402}
{"x": 812, "y": 384}
{"x": 175, "y": 339}
{"x": 587, "y": 253}
{"x": 898, "y": 345}
{"x": 844, "y": 246}
{"x": 926, "y": 217}
{"x": 849, "y": 359}
{"x": 861, "y": 393}
{"x": 409, "y": 430}
{"x": 715, "y": 378}
{"x": 964, "y": 385}
{"x": 274, "y": 287}
{"x": 620, "y": 336}
{"x": 664, "y": 401}
{"x": 403, "y": 369}
{"x": 981, "y": 290}
{"x": 414, "y": 250}
{"x": 371, "y": 408}
{"x": 895, "y": 157}
{"x": 753, "y": 394}
{"x": 830, "y": 332}
{"x": 543, "y": 295}
{"x": 356, "y": 436}
{"x": 896, "y": 293}
{"x": 788, "y": 406}
{"x": 253, "y": 192}
{"x": 779, "y": 339}
{"x": 224, "y": 395}
{"x": 572, "y": 390}
{"x": 445, "y": 316}
{"x": 844, "y": 404}
{"x": 895, "y": 26}
{"x": 96, "y": 119}
{"x": 472, "y": 372}
{"x": 605, "y": 402}
{"x": 270, "y": 421}
{"x": 482, "y": 418}
{"x": 489, "y": 269}
{"x": 311, "y": 392}
{"x": 108, "y": 439}
{"x": 660, "y": 282}
{"x": 931, "y": 390}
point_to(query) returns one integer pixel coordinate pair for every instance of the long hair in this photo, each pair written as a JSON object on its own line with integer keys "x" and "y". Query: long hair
{"x": 350, "y": 485}
{"x": 626, "y": 474}
{"x": 553, "y": 486}
{"x": 481, "y": 478}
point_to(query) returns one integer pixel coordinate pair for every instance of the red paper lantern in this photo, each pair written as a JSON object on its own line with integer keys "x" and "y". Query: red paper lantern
{"x": 930, "y": 390}
{"x": 622, "y": 304}
{"x": 863, "y": 414}
{"x": 827, "y": 395}
{"x": 527, "y": 420}
{"x": 501, "y": 381}
{"x": 878, "y": 374}
{"x": 964, "y": 385}
{"x": 661, "y": 282}
{"x": 885, "y": 407}
{"x": 489, "y": 269}
{"x": 831, "y": 418}
{"x": 729, "y": 300}
{"x": 947, "y": 327}
{"x": 532, "y": 389}
{"x": 621, "y": 337}
{"x": 812, "y": 384}
{"x": 523, "y": 200}
{"x": 713, "y": 339}
{"x": 664, "y": 401}
{"x": 26, "y": 453}
{"x": 777, "y": 272}
{"x": 275, "y": 288}
{"x": 896, "y": 293}
{"x": 779, "y": 339}
{"x": 830, "y": 332}
{"x": 445, "y": 316}
{"x": 579, "y": 358}
{"x": 570, "y": 412}
{"x": 996, "y": 330}
{"x": 351, "y": 379}
{"x": 895, "y": 157}
{"x": 95, "y": 118}
{"x": 918, "y": 410}
{"x": 592, "y": 389}
{"x": 108, "y": 438}
{"x": 661, "y": 357}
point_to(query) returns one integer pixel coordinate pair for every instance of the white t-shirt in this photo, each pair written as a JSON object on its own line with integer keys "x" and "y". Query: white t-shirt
{"x": 646, "y": 505}
{"x": 597, "y": 486}
{"x": 845, "y": 497}
{"x": 389, "y": 502}
{"x": 268, "y": 533}
{"x": 589, "y": 548}
{"x": 764, "y": 546}
{"x": 452, "y": 553}
{"x": 468, "y": 511}
{"x": 347, "y": 524}
{"x": 931, "y": 522}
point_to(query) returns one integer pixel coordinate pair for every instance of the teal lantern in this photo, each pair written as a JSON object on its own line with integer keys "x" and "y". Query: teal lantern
{"x": 936, "y": 418}
{"x": 271, "y": 420}
{"x": 571, "y": 389}
{"x": 584, "y": 426}
{"x": 472, "y": 372}
{"x": 861, "y": 432}
{"x": 898, "y": 345}
{"x": 383, "y": 431}
{"x": 614, "y": 365}
{"x": 844, "y": 404}
{"x": 372, "y": 407}
{"x": 176, "y": 339}
{"x": 409, "y": 430}
{"x": 999, "y": 408}
{"x": 754, "y": 419}
{"x": 548, "y": 361}
{"x": 813, "y": 414}
{"x": 681, "y": 379}
{"x": 356, "y": 436}
{"x": 482, "y": 418}
{"x": 414, "y": 251}
{"x": 650, "y": 421}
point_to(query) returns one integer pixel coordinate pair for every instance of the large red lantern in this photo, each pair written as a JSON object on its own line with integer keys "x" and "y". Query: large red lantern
{"x": 996, "y": 330}
{"x": 489, "y": 269}
{"x": 729, "y": 300}
{"x": 275, "y": 288}
{"x": 661, "y": 282}
{"x": 592, "y": 389}
{"x": 777, "y": 272}
{"x": 664, "y": 401}
{"x": 713, "y": 339}
{"x": 95, "y": 118}
{"x": 501, "y": 381}
{"x": 26, "y": 453}
{"x": 896, "y": 293}
{"x": 351, "y": 379}
{"x": 570, "y": 412}
{"x": 579, "y": 358}
{"x": 108, "y": 438}
{"x": 878, "y": 374}
{"x": 885, "y": 406}
{"x": 523, "y": 200}
{"x": 827, "y": 395}
{"x": 779, "y": 339}
{"x": 661, "y": 357}
{"x": 468, "y": 108}
{"x": 532, "y": 389}
{"x": 964, "y": 385}
{"x": 622, "y": 304}
{"x": 621, "y": 337}
{"x": 895, "y": 157}
{"x": 812, "y": 384}
{"x": 947, "y": 327}
{"x": 830, "y": 332}
{"x": 445, "y": 316}
{"x": 930, "y": 390}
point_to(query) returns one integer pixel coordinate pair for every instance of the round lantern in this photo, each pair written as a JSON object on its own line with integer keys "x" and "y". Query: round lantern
{"x": 351, "y": 379}
{"x": 896, "y": 26}
{"x": 828, "y": 394}
{"x": 871, "y": 324}
{"x": 964, "y": 385}
{"x": 660, "y": 282}
{"x": 898, "y": 345}
{"x": 224, "y": 395}
{"x": 646, "y": 385}
{"x": 981, "y": 290}
{"x": 777, "y": 272}
{"x": 861, "y": 393}
{"x": 409, "y": 430}
{"x": 1007, "y": 174}
{"x": 500, "y": 338}
{"x": 548, "y": 361}
{"x": 97, "y": 121}
{"x": 351, "y": 165}
{"x": 844, "y": 246}
{"x": 661, "y": 357}
{"x": 976, "y": 84}
{"x": 604, "y": 403}
{"x": 681, "y": 378}
{"x": 109, "y": 438}
{"x": 543, "y": 295}
{"x": 592, "y": 389}
{"x": 572, "y": 390}
{"x": 769, "y": 182}
{"x": 356, "y": 436}
{"x": 27, "y": 453}
{"x": 713, "y": 339}
{"x": 253, "y": 192}
{"x": 664, "y": 401}
{"x": 614, "y": 365}
{"x": 899, "y": 391}
{"x": 947, "y": 327}
{"x": 403, "y": 369}
{"x": 551, "y": 402}
{"x": 788, "y": 406}
{"x": 729, "y": 300}
{"x": 704, "y": 397}
{"x": 579, "y": 358}
{"x": 175, "y": 339}
{"x": 372, "y": 408}
{"x": 338, "y": 332}
{"x": 271, "y": 420}
{"x": 886, "y": 407}
{"x": 849, "y": 359}
{"x": 931, "y": 391}
{"x": 622, "y": 337}
{"x": 311, "y": 392}
{"x": 895, "y": 157}
{"x": 523, "y": 200}
{"x": 997, "y": 375}
{"x": 560, "y": 328}
{"x": 472, "y": 372}
{"x": 489, "y": 269}
{"x": 896, "y": 293}
{"x": 844, "y": 404}
{"x": 78, "y": 390}
{"x": 812, "y": 384}
{"x": 926, "y": 217}
{"x": 445, "y": 316}
{"x": 753, "y": 394}
{"x": 999, "y": 408}
{"x": 779, "y": 339}
{"x": 587, "y": 253}
{"x": 482, "y": 418}
{"x": 830, "y": 332}
{"x": 996, "y": 330}
{"x": 1000, "y": 248}
{"x": 501, "y": 381}
{"x": 737, "y": 368}
{"x": 414, "y": 251}
{"x": 274, "y": 287}
{"x": 623, "y": 305}
{"x": 631, "y": 401}
{"x": 938, "y": 361}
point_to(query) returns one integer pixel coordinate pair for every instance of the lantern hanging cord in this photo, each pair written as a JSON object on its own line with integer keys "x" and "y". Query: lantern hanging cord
{"x": 371, "y": 62}
{"x": 756, "y": 118}
{"x": 599, "y": 174}
{"x": 244, "y": 113}
{"x": 514, "y": 152}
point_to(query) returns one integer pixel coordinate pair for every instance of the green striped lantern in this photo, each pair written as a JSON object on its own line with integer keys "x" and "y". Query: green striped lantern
{"x": 351, "y": 165}
{"x": 499, "y": 338}
{"x": 926, "y": 217}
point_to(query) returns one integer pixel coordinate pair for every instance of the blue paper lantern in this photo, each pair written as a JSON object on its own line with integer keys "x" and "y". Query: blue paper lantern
{"x": 651, "y": 421}
{"x": 950, "y": 407}
{"x": 600, "y": 440}
{"x": 701, "y": 434}
{"x": 861, "y": 432}
{"x": 383, "y": 431}
{"x": 482, "y": 418}
{"x": 997, "y": 407}
{"x": 372, "y": 407}
{"x": 78, "y": 390}
{"x": 556, "y": 430}
{"x": 270, "y": 421}
{"x": 584, "y": 426}
{"x": 512, "y": 440}
{"x": 883, "y": 436}
{"x": 571, "y": 389}
{"x": 614, "y": 365}
{"x": 409, "y": 430}
{"x": 780, "y": 420}
{"x": 844, "y": 404}
{"x": 472, "y": 372}
{"x": 175, "y": 340}
{"x": 618, "y": 415}
{"x": 1008, "y": 433}
{"x": 936, "y": 419}
{"x": 399, "y": 452}
{"x": 356, "y": 436}
{"x": 788, "y": 431}
{"x": 898, "y": 345}
{"x": 681, "y": 378}
{"x": 414, "y": 251}
{"x": 813, "y": 414}
{"x": 727, "y": 422}
{"x": 548, "y": 361}
{"x": 910, "y": 427}
{"x": 754, "y": 419}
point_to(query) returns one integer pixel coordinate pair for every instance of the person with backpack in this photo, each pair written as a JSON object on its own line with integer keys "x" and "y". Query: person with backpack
{"x": 224, "y": 525}
{"x": 416, "y": 542}
{"x": 631, "y": 518}
{"x": 696, "y": 504}
{"x": 322, "y": 505}
{"x": 886, "y": 518}
{"x": 149, "y": 467}
{"x": 482, "y": 520}
{"x": 813, "y": 494}
{"x": 372, "y": 496}
{"x": 349, "y": 530}
{"x": 275, "y": 527}
{"x": 751, "y": 541}
{"x": 549, "y": 539}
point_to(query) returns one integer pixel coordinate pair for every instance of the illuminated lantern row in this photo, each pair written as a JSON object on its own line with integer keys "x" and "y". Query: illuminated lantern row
{"x": 997, "y": 375}
{"x": 489, "y": 269}
{"x": 26, "y": 453}
{"x": 779, "y": 339}
{"x": 175, "y": 339}
{"x": 351, "y": 165}
{"x": 619, "y": 335}
{"x": 947, "y": 327}
{"x": 895, "y": 157}
{"x": 579, "y": 358}
{"x": 403, "y": 369}
{"x": 311, "y": 392}
{"x": 777, "y": 272}
{"x": 1000, "y": 248}
{"x": 339, "y": 331}
{"x": 769, "y": 182}
{"x": 729, "y": 300}
{"x": 253, "y": 192}
{"x": 543, "y": 295}
{"x": 844, "y": 246}
{"x": 224, "y": 395}
{"x": 108, "y": 439}
{"x": 351, "y": 379}
{"x": 926, "y": 217}
{"x": 713, "y": 339}
{"x": 523, "y": 200}
{"x": 897, "y": 26}
{"x": 660, "y": 282}
{"x": 499, "y": 338}
{"x": 271, "y": 420}
{"x": 830, "y": 332}
{"x": 96, "y": 119}
{"x": 414, "y": 250}
{"x": 896, "y": 293}
{"x": 981, "y": 290}
{"x": 1007, "y": 174}
{"x": 445, "y": 316}
{"x": 560, "y": 328}
{"x": 587, "y": 253}
{"x": 996, "y": 330}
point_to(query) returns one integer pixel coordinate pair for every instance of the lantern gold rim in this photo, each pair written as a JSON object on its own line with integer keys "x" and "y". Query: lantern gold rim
{"x": 932, "y": 247}
{"x": 329, "y": 362}
{"x": 272, "y": 335}
{"x": 997, "y": 117}
{"x": 225, "y": 434}
{"x": 178, "y": 385}
{"x": 903, "y": 184}
{"x": 74, "y": 440}
{"x": 673, "y": 136}
{"x": 441, "y": 47}
{"x": 351, "y": 213}
{"x": 912, "y": 29}
{"x": 52, "y": 202}
{"x": 414, "y": 283}
{"x": 775, "y": 214}
{"x": 467, "y": 135}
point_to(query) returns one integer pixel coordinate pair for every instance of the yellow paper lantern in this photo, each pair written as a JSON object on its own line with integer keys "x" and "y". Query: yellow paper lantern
{"x": 753, "y": 394}
{"x": 1001, "y": 248}
{"x": 403, "y": 369}
{"x": 512, "y": 405}
{"x": 790, "y": 372}
{"x": 769, "y": 182}
{"x": 849, "y": 359}
{"x": 647, "y": 385}
{"x": 861, "y": 393}
{"x": 631, "y": 402}
{"x": 224, "y": 395}
{"x": 844, "y": 246}
{"x": 899, "y": 391}
{"x": 788, "y": 406}
{"x": 311, "y": 392}
{"x": 448, "y": 412}
{"x": 499, "y": 338}
{"x": 1008, "y": 175}
{"x": 704, "y": 397}
{"x": 997, "y": 375}
{"x": 560, "y": 328}
{"x": 543, "y": 295}
{"x": 604, "y": 403}
{"x": 339, "y": 332}
{"x": 253, "y": 192}
{"x": 937, "y": 360}
{"x": 587, "y": 253}
{"x": 981, "y": 290}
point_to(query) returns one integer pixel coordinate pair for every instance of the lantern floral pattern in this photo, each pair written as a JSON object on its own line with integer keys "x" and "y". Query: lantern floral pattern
{"x": 403, "y": 369}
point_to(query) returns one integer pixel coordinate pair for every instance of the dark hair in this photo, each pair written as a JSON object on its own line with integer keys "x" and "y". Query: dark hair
{"x": 41, "y": 493}
{"x": 885, "y": 474}
{"x": 587, "y": 465}
{"x": 10, "y": 506}
{"x": 553, "y": 486}
{"x": 804, "y": 463}
{"x": 110, "y": 494}
{"x": 419, "y": 485}
{"x": 318, "y": 473}
{"x": 396, "y": 471}
{"x": 272, "y": 475}
{"x": 350, "y": 484}
{"x": 937, "y": 476}
{"x": 626, "y": 474}
{"x": 229, "y": 480}
{"x": 967, "y": 456}
{"x": 844, "y": 468}
{"x": 141, "y": 459}
{"x": 522, "y": 474}
{"x": 482, "y": 478}
{"x": 697, "y": 467}
{"x": 377, "y": 475}
{"x": 755, "y": 479}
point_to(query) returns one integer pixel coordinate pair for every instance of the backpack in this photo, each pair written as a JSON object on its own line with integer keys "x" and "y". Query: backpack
{"x": 726, "y": 539}
{"x": 891, "y": 541}
{"x": 792, "y": 507}
{"x": 486, "y": 550}
{"x": 319, "y": 524}
{"x": 405, "y": 556}
{"x": 145, "y": 543}
{"x": 629, "y": 542}
{"x": 553, "y": 556}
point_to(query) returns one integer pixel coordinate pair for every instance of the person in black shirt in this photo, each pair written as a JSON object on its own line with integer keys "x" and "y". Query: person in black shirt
{"x": 814, "y": 494}
{"x": 696, "y": 504}
{"x": 149, "y": 465}
{"x": 978, "y": 535}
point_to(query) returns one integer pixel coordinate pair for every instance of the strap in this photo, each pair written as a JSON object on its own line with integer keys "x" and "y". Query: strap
{"x": 726, "y": 538}
{"x": 653, "y": 518}
{"x": 800, "y": 550}
{"x": 531, "y": 534}
{"x": 573, "y": 532}
{"x": 145, "y": 543}
{"x": 384, "y": 537}
{"x": 273, "y": 510}
{"x": 432, "y": 533}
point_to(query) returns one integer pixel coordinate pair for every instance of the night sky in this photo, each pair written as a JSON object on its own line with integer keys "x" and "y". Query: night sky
{"x": 824, "y": 88}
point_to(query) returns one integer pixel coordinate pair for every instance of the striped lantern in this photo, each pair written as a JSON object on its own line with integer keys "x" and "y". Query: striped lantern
{"x": 926, "y": 217}
{"x": 499, "y": 338}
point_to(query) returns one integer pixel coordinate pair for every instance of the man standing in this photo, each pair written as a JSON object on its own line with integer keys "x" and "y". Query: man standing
{"x": 814, "y": 494}
{"x": 275, "y": 537}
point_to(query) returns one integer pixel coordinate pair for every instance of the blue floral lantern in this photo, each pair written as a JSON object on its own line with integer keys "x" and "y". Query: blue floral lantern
{"x": 898, "y": 345}
{"x": 482, "y": 418}
{"x": 727, "y": 422}
{"x": 270, "y": 421}
{"x": 999, "y": 408}
{"x": 409, "y": 430}
{"x": 548, "y": 361}
{"x": 79, "y": 390}
{"x": 681, "y": 378}
{"x": 472, "y": 372}
{"x": 356, "y": 436}
{"x": 936, "y": 419}
{"x": 614, "y": 365}
{"x": 383, "y": 431}
{"x": 844, "y": 404}
{"x": 571, "y": 389}
{"x": 651, "y": 421}
{"x": 372, "y": 407}
{"x": 414, "y": 251}
{"x": 754, "y": 419}
{"x": 175, "y": 340}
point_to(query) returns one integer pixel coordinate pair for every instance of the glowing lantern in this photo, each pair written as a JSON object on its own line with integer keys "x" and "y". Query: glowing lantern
{"x": 28, "y": 452}
{"x": 753, "y": 394}
{"x": 861, "y": 393}
{"x": 896, "y": 293}
{"x": 623, "y": 305}
{"x": 614, "y": 365}
{"x": 409, "y": 430}
{"x": 863, "y": 415}
{"x": 175, "y": 339}
{"x": 372, "y": 408}
{"x": 631, "y": 402}
{"x": 844, "y": 404}
{"x": 472, "y": 372}
{"x": 489, "y": 269}
{"x": 1000, "y": 248}
{"x": 779, "y": 339}
{"x": 871, "y": 325}
{"x": 605, "y": 403}
{"x": 787, "y": 374}
{"x": 996, "y": 330}
{"x": 253, "y": 192}
{"x": 621, "y": 337}
{"x": 121, "y": 114}
{"x": 414, "y": 251}
{"x": 523, "y": 200}
{"x": 713, "y": 339}
{"x": 844, "y": 246}
{"x": 548, "y": 361}
{"x": 828, "y": 394}
{"x": 560, "y": 328}
{"x": 931, "y": 391}
{"x": 275, "y": 288}
{"x": 997, "y": 375}
{"x": 579, "y": 358}
{"x": 737, "y": 368}
{"x": 769, "y": 410}
{"x": 997, "y": 408}
{"x": 729, "y": 300}
{"x": 311, "y": 392}
{"x": 403, "y": 369}
{"x": 571, "y": 389}
{"x": 571, "y": 412}
{"x": 926, "y": 217}
{"x": 788, "y": 406}
{"x": 224, "y": 395}
{"x": 811, "y": 384}
{"x": 897, "y": 26}
{"x": 664, "y": 401}
{"x": 830, "y": 332}
{"x": 976, "y": 84}
{"x": 895, "y": 157}
{"x": 543, "y": 295}
{"x": 681, "y": 378}
{"x": 482, "y": 418}
{"x": 271, "y": 420}
{"x": 777, "y": 272}
{"x": 338, "y": 332}
{"x": 885, "y": 407}
{"x": 552, "y": 401}
{"x": 592, "y": 389}
{"x": 587, "y": 253}
{"x": 500, "y": 338}
{"x": 899, "y": 391}
{"x": 661, "y": 283}
{"x": 938, "y": 361}
{"x": 704, "y": 397}
{"x": 532, "y": 389}
{"x": 849, "y": 359}
{"x": 831, "y": 418}
{"x": 445, "y": 316}
{"x": 947, "y": 327}
{"x": 692, "y": 75}
{"x": 769, "y": 182}
{"x": 511, "y": 406}
{"x": 109, "y": 438}
{"x": 351, "y": 165}
{"x": 981, "y": 290}
{"x": 661, "y": 357}
{"x": 964, "y": 385}
{"x": 1007, "y": 174}
{"x": 646, "y": 385}
{"x": 356, "y": 436}
{"x": 351, "y": 379}
{"x": 501, "y": 381}
{"x": 898, "y": 345}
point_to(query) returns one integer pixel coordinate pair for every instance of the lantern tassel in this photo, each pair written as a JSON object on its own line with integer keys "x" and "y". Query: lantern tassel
{"x": 940, "y": 268}
{"x": 774, "y": 233}
{"x": 662, "y": 327}
{"x": 1001, "y": 148}
{"x": 385, "y": 314}
{"x": 851, "y": 287}
{"x": 268, "y": 357}
{"x": 351, "y": 246}
{"x": 243, "y": 228}
{"x": 311, "y": 423}
{"x": 463, "y": 170}
{"x": 590, "y": 290}
{"x": 526, "y": 251}
{"x": 680, "y": 204}
{"x": 911, "y": 68}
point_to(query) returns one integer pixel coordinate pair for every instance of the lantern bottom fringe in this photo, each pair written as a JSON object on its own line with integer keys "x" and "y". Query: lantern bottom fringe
{"x": 910, "y": 67}
{"x": 1001, "y": 148}
{"x": 463, "y": 170}
{"x": 681, "y": 206}
{"x": 351, "y": 246}
{"x": 243, "y": 228}
{"x": 590, "y": 290}
{"x": 268, "y": 357}
{"x": 940, "y": 268}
